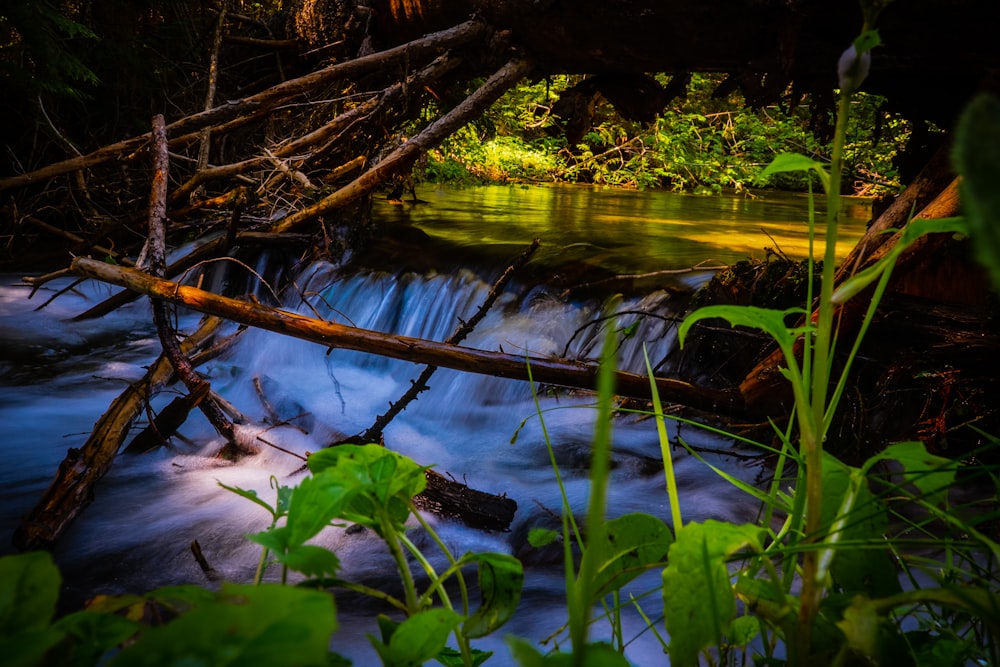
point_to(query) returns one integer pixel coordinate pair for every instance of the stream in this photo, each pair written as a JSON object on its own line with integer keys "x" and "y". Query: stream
{"x": 58, "y": 377}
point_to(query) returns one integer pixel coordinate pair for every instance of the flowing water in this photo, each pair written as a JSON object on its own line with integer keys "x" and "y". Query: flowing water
{"x": 58, "y": 377}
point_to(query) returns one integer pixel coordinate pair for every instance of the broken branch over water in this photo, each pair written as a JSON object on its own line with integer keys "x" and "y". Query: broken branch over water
{"x": 416, "y": 350}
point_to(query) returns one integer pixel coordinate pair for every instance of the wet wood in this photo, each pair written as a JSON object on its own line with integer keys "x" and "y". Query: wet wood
{"x": 455, "y": 500}
{"x": 544, "y": 370}
{"x": 72, "y": 489}
{"x": 198, "y": 388}
{"x": 374, "y": 432}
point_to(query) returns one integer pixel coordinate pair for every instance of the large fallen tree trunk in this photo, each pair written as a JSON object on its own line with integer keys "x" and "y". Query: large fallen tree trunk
{"x": 416, "y": 350}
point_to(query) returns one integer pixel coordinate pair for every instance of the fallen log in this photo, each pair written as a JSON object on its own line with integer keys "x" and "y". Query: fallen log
{"x": 72, "y": 489}
{"x": 198, "y": 388}
{"x": 544, "y": 370}
{"x": 404, "y": 156}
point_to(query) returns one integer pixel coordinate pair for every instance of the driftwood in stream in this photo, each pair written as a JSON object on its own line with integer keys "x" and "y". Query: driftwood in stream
{"x": 72, "y": 488}
{"x": 199, "y": 389}
{"x": 544, "y": 370}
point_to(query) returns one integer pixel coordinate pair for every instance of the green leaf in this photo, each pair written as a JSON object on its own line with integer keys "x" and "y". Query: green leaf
{"x": 932, "y": 475}
{"x": 378, "y": 476}
{"x": 860, "y": 625}
{"x": 94, "y": 634}
{"x": 310, "y": 560}
{"x": 699, "y": 603}
{"x": 862, "y": 562}
{"x": 29, "y": 589}
{"x": 250, "y": 495}
{"x": 594, "y": 655}
{"x": 501, "y": 578}
{"x": 977, "y": 159}
{"x": 417, "y": 639}
{"x": 629, "y": 544}
{"x": 315, "y": 502}
{"x": 867, "y": 41}
{"x": 767, "y": 320}
{"x": 450, "y": 657}
{"x": 743, "y": 630}
{"x": 242, "y": 625}
{"x": 785, "y": 162}
{"x": 542, "y": 537}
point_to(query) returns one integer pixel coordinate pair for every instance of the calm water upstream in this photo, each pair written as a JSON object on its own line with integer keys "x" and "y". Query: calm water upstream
{"x": 57, "y": 377}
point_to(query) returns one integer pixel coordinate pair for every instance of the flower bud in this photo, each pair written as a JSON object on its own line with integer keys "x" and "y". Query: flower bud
{"x": 852, "y": 69}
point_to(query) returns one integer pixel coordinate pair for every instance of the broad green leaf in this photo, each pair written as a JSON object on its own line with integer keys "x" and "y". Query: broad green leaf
{"x": 450, "y": 657}
{"x": 29, "y": 589}
{"x": 861, "y": 562}
{"x": 250, "y": 495}
{"x": 315, "y": 502}
{"x": 501, "y": 578}
{"x": 977, "y": 159}
{"x": 417, "y": 639}
{"x": 785, "y": 162}
{"x": 767, "y": 320}
{"x": 94, "y": 634}
{"x": 743, "y": 630}
{"x": 310, "y": 560}
{"x": 932, "y": 475}
{"x": 242, "y": 625}
{"x": 542, "y": 537}
{"x": 860, "y": 625}
{"x": 699, "y": 603}
{"x": 381, "y": 477}
{"x": 594, "y": 655}
{"x": 629, "y": 544}
{"x": 767, "y": 600}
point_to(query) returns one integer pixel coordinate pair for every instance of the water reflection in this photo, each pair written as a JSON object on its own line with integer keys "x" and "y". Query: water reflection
{"x": 623, "y": 230}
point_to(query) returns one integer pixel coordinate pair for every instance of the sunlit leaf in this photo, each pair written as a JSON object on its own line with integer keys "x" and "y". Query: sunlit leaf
{"x": 501, "y": 578}
{"x": 699, "y": 603}
{"x": 417, "y": 639}
{"x": 916, "y": 229}
{"x": 542, "y": 537}
{"x": 785, "y": 162}
{"x": 767, "y": 320}
{"x": 932, "y": 475}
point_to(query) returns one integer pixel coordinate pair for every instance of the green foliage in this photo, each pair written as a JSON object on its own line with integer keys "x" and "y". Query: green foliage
{"x": 699, "y": 143}
{"x": 977, "y": 159}
{"x": 698, "y": 600}
{"x": 40, "y": 49}
{"x": 261, "y": 625}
